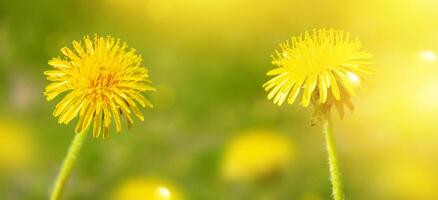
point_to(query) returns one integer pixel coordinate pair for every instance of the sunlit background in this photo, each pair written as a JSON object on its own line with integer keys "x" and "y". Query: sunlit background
{"x": 213, "y": 134}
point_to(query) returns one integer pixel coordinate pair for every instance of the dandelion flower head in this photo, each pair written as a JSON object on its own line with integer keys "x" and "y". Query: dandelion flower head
{"x": 101, "y": 80}
{"x": 324, "y": 66}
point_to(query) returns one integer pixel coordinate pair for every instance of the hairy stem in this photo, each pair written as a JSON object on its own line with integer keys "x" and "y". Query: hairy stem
{"x": 67, "y": 165}
{"x": 335, "y": 173}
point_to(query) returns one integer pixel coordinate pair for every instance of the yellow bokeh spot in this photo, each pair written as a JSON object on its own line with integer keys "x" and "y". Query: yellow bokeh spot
{"x": 257, "y": 155}
{"x": 16, "y": 146}
{"x": 427, "y": 56}
{"x": 141, "y": 188}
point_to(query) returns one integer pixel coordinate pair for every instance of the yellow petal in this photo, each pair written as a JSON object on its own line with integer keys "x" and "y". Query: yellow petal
{"x": 334, "y": 87}
{"x": 322, "y": 90}
{"x": 116, "y": 116}
{"x": 295, "y": 91}
{"x": 97, "y": 124}
{"x": 309, "y": 87}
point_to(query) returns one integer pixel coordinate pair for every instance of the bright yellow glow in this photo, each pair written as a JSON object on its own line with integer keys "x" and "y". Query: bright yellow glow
{"x": 164, "y": 192}
{"x": 427, "y": 56}
{"x": 355, "y": 80}
{"x": 428, "y": 96}
{"x": 414, "y": 179}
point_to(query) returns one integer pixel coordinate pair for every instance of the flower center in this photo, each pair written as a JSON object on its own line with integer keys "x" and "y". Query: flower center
{"x": 102, "y": 83}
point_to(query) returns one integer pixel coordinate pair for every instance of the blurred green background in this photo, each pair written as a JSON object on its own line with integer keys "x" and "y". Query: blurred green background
{"x": 208, "y": 60}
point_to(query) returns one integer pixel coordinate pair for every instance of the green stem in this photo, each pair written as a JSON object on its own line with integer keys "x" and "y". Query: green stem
{"x": 67, "y": 165}
{"x": 335, "y": 173}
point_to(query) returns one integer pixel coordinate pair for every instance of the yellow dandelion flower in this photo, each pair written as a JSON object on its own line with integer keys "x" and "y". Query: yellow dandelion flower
{"x": 102, "y": 80}
{"x": 257, "y": 155}
{"x": 324, "y": 65}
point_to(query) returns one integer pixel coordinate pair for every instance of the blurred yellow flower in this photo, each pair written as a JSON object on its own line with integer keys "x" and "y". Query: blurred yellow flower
{"x": 140, "y": 188}
{"x": 326, "y": 65}
{"x": 17, "y": 149}
{"x": 103, "y": 80}
{"x": 257, "y": 155}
